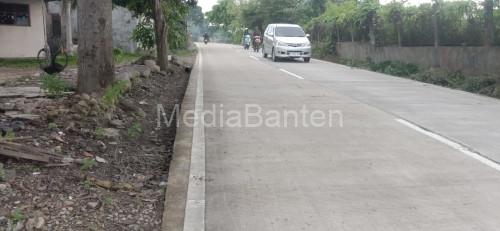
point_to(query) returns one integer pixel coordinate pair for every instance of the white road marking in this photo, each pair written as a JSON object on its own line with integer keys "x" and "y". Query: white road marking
{"x": 465, "y": 150}
{"x": 292, "y": 74}
{"x": 194, "y": 219}
{"x": 253, "y": 57}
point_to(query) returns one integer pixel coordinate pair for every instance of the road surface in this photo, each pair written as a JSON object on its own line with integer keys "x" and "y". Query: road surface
{"x": 408, "y": 156}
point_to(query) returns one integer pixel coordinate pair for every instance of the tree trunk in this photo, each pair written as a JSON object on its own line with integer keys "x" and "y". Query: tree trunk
{"x": 399, "y": 29}
{"x": 489, "y": 28}
{"x": 352, "y": 33}
{"x": 371, "y": 29}
{"x": 435, "y": 27}
{"x": 66, "y": 36}
{"x": 161, "y": 37}
{"x": 95, "y": 46}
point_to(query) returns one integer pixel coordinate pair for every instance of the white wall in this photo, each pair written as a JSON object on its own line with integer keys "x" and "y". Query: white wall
{"x": 21, "y": 41}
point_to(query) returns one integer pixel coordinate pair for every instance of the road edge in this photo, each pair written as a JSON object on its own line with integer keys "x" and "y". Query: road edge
{"x": 179, "y": 172}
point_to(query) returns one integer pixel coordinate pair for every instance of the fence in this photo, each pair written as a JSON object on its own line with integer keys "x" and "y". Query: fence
{"x": 469, "y": 60}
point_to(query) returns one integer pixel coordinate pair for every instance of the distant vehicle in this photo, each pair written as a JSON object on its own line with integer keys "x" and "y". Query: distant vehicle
{"x": 286, "y": 41}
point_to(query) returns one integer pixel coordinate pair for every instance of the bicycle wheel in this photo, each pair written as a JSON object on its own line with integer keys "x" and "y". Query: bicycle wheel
{"x": 61, "y": 59}
{"x": 43, "y": 58}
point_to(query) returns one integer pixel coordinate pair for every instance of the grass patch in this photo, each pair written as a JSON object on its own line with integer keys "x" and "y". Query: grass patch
{"x": 53, "y": 85}
{"x": 184, "y": 52}
{"x": 88, "y": 164}
{"x": 3, "y": 175}
{"x": 482, "y": 84}
{"x": 134, "y": 131}
{"x": 17, "y": 216}
{"x": 23, "y": 63}
{"x": 113, "y": 93}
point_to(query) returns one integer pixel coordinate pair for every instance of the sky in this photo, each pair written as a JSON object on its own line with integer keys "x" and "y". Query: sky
{"x": 206, "y": 5}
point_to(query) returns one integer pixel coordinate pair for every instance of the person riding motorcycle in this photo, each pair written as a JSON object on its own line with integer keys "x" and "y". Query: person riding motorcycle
{"x": 246, "y": 41}
{"x": 206, "y": 38}
{"x": 256, "y": 41}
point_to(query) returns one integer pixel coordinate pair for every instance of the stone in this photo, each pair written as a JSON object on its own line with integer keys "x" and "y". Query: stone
{"x": 40, "y": 223}
{"x": 30, "y": 224}
{"x": 69, "y": 203}
{"x": 19, "y": 226}
{"x": 3, "y": 187}
{"x": 93, "y": 205}
{"x": 117, "y": 123}
{"x": 20, "y": 116}
{"x": 8, "y": 106}
{"x": 152, "y": 64}
{"x": 111, "y": 133}
{"x": 85, "y": 97}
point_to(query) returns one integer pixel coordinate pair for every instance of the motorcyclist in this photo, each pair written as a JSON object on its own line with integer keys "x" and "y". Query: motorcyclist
{"x": 206, "y": 37}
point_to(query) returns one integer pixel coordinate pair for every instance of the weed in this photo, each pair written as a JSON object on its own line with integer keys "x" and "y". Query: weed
{"x": 134, "y": 131}
{"x": 9, "y": 135}
{"x": 88, "y": 164}
{"x": 113, "y": 93}
{"x": 99, "y": 132}
{"x": 53, "y": 85}
{"x": 52, "y": 126}
{"x": 3, "y": 175}
{"x": 108, "y": 200}
{"x": 87, "y": 184}
{"x": 17, "y": 216}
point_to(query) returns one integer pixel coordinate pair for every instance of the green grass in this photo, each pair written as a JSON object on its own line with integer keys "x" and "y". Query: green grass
{"x": 53, "y": 85}
{"x": 113, "y": 93}
{"x": 23, "y": 63}
{"x": 184, "y": 52}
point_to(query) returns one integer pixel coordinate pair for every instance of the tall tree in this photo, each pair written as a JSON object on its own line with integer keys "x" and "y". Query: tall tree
{"x": 435, "y": 27}
{"x": 66, "y": 29}
{"x": 489, "y": 28}
{"x": 95, "y": 45}
{"x": 161, "y": 36}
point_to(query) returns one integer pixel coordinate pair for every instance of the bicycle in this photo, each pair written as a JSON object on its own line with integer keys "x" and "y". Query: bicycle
{"x": 52, "y": 58}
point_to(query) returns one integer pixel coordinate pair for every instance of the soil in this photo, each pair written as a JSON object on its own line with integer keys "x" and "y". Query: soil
{"x": 123, "y": 160}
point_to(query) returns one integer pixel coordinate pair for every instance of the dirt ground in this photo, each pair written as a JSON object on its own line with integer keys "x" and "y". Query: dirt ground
{"x": 121, "y": 158}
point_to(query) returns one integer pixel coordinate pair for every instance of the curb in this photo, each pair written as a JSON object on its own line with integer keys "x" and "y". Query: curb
{"x": 178, "y": 179}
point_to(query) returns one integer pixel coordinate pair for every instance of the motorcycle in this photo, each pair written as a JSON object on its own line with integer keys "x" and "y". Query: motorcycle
{"x": 206, "y": 41}
{"x": 256, "y": 43}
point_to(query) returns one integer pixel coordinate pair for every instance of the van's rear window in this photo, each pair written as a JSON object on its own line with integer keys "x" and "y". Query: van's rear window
{"x": 289, "y": 32}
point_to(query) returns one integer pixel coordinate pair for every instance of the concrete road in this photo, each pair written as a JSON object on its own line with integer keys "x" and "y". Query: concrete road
{"x": 409, "y": 156}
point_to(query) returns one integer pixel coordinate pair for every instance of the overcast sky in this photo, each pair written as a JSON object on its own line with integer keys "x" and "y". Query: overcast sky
{"x": 207, "y": 4}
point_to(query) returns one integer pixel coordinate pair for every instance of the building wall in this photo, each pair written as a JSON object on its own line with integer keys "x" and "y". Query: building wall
{"x": 20, "y": 41}
{"x": 124, "y": 24}
{"x": 469, "y": 60}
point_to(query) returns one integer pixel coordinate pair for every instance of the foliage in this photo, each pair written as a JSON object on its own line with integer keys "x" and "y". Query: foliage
{"x": 88, "y": 164}
{"x": 144, "y": 34}
{"x": 134, "y": 131}
{"x": 175, "y": 11}
{"x": 395, "y": 68}
{"x": 99, "y": 132}
{"x": 113, "y": 93}
{"x": 17, "y": 216}
{"x": 2, "y": 173}
{"x": 53, "y": 85}
{"x": 52, "y": 126}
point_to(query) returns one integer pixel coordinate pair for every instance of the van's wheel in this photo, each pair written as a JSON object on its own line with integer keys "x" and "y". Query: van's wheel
{"x": 264, "y": 52}
{"x": 275, "y": 59}
{"x": 307, "y": 60}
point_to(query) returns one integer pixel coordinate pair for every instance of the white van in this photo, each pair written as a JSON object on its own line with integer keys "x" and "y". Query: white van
{"x": 286, "y": 41}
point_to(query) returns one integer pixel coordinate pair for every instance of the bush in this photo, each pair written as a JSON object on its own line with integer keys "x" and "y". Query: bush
{"x": 395, "y": 68}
